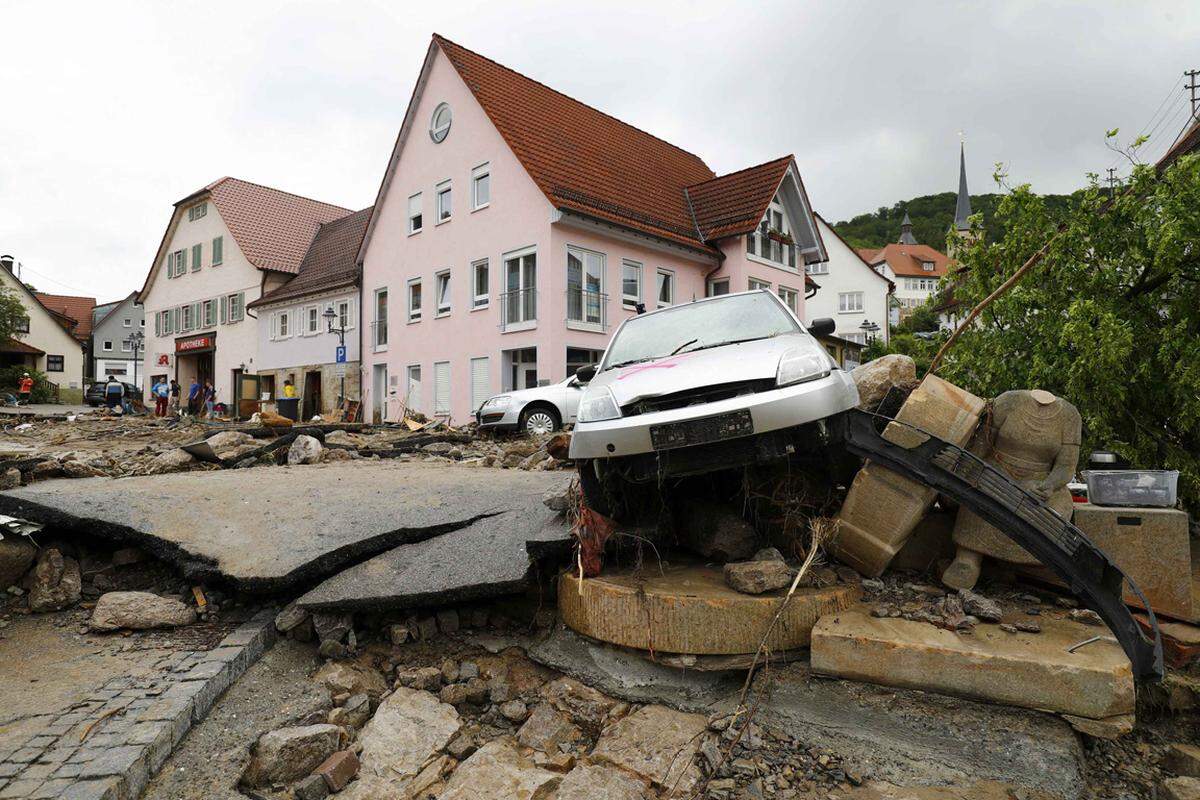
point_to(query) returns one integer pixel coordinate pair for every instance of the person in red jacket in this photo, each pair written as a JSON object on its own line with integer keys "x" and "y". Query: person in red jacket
{"x": 24, "y": 388}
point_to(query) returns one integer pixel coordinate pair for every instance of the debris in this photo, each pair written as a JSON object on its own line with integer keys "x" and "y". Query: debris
{"x": 172, "y": 461}
{"x": 10, "y": 479}
{"x": 514, "y": 711}
{"x": 1108, "y": 728}
{"x": 713, "y": 531}
{"x": 656, "y": 744}
{"x": 1028, "y": 627}
{"x": 979, "y": 606}
{"x": 499, "y": 770}
{"x": 311, "y": 788}
{"x": 17, "y": 554}
{"x": 881, "y": 376}
{"x": 138, "y": 611}
{"x": 338, "y": 770}
{"x": 591, "y": 781}
{"x": 1184, "y": 759}
{"x": 124, "y": 556}
{"x": 408, "y": 729}
{"x": 547, "y": 729}
{"x": 1181, "y": 788}
{"x": 304, "y": 450}
{"x": 56, "y": 582}
{"x": 343, "y": 678}
{"x": 290, "y": 617}
{"x": 288, "y": 754}
{"x": 757, "y": 577}
{"x": 588, "y": 708}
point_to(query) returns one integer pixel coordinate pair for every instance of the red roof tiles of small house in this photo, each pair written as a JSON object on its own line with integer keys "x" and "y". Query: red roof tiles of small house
{"x": 1187, "y": 143}
{"x": 907, "y": 260}
{"x": 330, "y": 260}
{"x": 593, "y": 164}
{"x": 76, "y": 309}
{"x": 867, "y": 254}
{"x": 733, "y": 204}
{"x": 17, "y": 346}
{"x": 273, "y": 229}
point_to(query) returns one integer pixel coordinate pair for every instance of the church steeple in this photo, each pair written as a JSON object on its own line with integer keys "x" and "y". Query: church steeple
{"x": 962, "y": 209}
{"x": 906, "y": 234}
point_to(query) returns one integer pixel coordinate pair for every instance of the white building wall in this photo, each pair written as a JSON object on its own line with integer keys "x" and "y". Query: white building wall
{"x": 298, "y": 347}
{"x": 48, "y": 335}
{"x": 846, "y": 273}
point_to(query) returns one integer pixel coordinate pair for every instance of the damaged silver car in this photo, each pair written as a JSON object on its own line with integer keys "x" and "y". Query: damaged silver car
{"x": 714, "y": 384}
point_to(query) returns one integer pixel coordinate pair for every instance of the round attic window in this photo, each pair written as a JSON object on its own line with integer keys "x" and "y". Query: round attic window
{"x": 439, "y": 125}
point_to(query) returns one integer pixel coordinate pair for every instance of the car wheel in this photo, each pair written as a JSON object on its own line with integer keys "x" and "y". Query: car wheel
{"x": 539, "y": 421}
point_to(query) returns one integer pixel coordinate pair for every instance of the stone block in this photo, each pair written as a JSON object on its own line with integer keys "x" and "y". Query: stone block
{"x": 175, "y": 710}
{"x": 499, "y": 770}
{"x": 128, "y": 764}
{"x": 1026, "y": 670}
{"x": 103, "y": 789}
{"x": 657, "y": 744}
{"x": 311, "y": 788}
{"x": 157, "y": 738}
{"x": 338, "y": 770}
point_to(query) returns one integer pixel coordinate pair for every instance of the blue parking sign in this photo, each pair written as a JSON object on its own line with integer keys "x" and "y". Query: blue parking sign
{"x": 341, "y": 354}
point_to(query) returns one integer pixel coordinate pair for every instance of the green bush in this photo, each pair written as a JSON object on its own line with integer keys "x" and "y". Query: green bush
{"x": 10, "y": 379}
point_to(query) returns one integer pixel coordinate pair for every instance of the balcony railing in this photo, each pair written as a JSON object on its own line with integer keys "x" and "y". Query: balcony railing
{"x": 518, "y": 308}
{"x": 379, "y": 335}
{"x": 587, "y": 307}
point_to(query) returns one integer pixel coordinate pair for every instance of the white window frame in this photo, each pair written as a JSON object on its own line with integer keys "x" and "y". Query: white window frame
{"x": 441, "y": 279}
{"x": 627, "y": 300}
{"x": 378, "y": 324}
{"x": 850, "y": 302}
{"x": 108, "y": 346}
{"x": 670, "y": 276}
{"x": 518, "y": 256}
{"x": 710, "y": 289}
{"x": 588, "y": 308}
{"x": 443, "y": 189}
{"x": 344, "y": 309}
{"x": 414, "y": 315}
{"x": 757, "y": 283}
{"x": 310, "y": 320}
{"x": 480, "y": 301}
{"x": 763, "y": 241}
{"x": 127, "y": 322}
{"x": 817, "y": 268}
{"x": 126, "y": 347}
{"x": 784, "y": 292}
{"x": 281, "y": 324}
{"x": 418, "y": 215}
{"x": 484, "y": 170}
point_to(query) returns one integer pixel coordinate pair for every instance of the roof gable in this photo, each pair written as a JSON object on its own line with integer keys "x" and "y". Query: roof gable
{"x": 110, "y": 309}
{"x": 733, "y": 204}
{"x": 907, "y": 259}
{"x": 330, "y": 262}
{"x": 856, "y": 255}
{"x": 77, "y": 310}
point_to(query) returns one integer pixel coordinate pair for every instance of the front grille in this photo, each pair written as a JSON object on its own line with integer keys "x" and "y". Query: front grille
{"x": 697, "y": 396}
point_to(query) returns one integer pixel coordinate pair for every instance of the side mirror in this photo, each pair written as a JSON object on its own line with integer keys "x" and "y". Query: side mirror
{"x": 822, "y": 326}
{"x": 587, "y": 372}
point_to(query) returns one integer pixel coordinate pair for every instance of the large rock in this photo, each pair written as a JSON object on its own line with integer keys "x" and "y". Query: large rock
{"x": 1181, "y": 788}
{"x": 714, "y": 531}
{"x": 876, "y": 378}
{"x": 289, "y": 754}
{"x": 56, "y": 582}
{"x": 587, "y": 707}
{"x": 78, "y": 469}
{"x": 1026, "y": 670}
{"x": 225, "y": 441}
{"x": 340, "y": 677}
{"x": 546, "y": 729}
{"x": 171, "y": 461}
{"x": 139, "y": 611}
{"x": 10, "y": 479}
{"x": 656, "y": 744}
{"x": 16, "y": 557}
{"x": 304, "y": 450}
{"x": 499, "y": 770}
{"x": 408, "y": 729}
{"x": 594, "y": 782}
{"x": 757, "y": 577}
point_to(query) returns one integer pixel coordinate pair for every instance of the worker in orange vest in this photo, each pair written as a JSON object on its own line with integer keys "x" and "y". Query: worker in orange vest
{"x": 24, "y": 388}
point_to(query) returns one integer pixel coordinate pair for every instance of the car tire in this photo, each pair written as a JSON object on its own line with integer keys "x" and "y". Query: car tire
{"x": 539, "y": 420}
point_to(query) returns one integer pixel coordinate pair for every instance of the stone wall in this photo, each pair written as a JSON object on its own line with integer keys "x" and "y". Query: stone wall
{"x": 330, "y": 382}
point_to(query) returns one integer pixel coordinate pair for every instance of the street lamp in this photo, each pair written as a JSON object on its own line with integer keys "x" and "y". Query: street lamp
{"x": 330, "y": 315}
{"x": 869, "y": 329}
{"x": 135, "y": 342}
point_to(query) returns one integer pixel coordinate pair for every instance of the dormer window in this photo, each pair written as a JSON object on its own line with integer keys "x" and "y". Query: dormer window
{"x": 772, "y": 239}
{"x": 439, "y": 124}
{"x": 927, "y": 266}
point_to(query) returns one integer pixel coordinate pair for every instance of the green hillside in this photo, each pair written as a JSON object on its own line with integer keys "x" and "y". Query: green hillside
{"x": 931, "y": 216}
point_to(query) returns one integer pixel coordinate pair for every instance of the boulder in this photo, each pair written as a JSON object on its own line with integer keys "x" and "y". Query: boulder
{"x": 547, "y": 728}
{"x": 290, "y": 617}
{"x": 304, "y": 450}
{"x": 714, "y": 531}
{"x": 408, "y": 729}
{"x": 78, "y": 469}
{"x": 979, "y": 606}
{"x": 585, "y": 706}
{"x": 45, "y": 469}
{"x": 139, "y": 611}
{"x": 332, "y": 627}
{"x": 342, "y": 678}
{"x": 595, "y": 782}
{"x": 172, "y": 461}
{"x": 289, "y": 754}
{"x": 757, "y": 577}
{"x": 57, "y": 583}
{"x": 272, "y": 420}
{"x": 499, "y": 770}
{"x": 228, "y": 440}
{"x": 876, "y": 378}
{"x": 16, "y": 557}
{"x": 559, "y": 499}
{"x": 657, "y": 744}
{"x": 10, "y": 479}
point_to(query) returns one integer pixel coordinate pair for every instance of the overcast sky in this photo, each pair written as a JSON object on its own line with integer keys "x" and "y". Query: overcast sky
{"x": 110, "y": 112}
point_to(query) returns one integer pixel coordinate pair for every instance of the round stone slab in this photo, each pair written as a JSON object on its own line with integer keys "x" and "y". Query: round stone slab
{"x": 689, "y": 609}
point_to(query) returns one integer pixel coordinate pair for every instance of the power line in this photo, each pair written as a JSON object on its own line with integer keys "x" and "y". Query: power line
{"x": 52, "y": 280}
{"x": 1193, "y": 87}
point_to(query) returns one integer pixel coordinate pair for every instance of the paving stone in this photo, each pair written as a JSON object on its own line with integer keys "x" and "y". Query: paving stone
{"x": 156, "y": 738}
{"x": 176, "y": 710}
{"x": 20, "y": 789}
{"x": 104, "y": 789}
{"x": 68, "y": 770}
{"x": 43, "y": 741}
{"x": 9, "y": 769}
{"x": 26, "y": 755}
{"x": 37, "y": 772}
{"x": 51, "y": 789}
{"x": 59, "y": 753}
{"x": 127, "y": 764}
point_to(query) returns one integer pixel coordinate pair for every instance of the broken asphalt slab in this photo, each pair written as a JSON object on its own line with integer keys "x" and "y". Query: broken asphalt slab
{"x": 271, "y": 529}
{"x": 487, "y": 558}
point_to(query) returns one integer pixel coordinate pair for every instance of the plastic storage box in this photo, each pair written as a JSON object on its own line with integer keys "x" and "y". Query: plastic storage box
{"x": 1132, "y": 487}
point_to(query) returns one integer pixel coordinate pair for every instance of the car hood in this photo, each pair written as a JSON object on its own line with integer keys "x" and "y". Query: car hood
{"x": 732, "y": 363}
{"x": 536, "y": 393}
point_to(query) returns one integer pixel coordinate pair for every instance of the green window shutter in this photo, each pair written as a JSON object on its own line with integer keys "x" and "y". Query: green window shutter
{"x": 224, "y": 309}
{"x": 196, "y": 257}
{"x": 218, "y": 250}
{"x": 157, "y": 325}
{"x": 197, "y": 321}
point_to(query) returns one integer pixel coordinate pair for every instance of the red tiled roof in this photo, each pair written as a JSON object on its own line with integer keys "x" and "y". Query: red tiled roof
{"x": 330, "y": 260}
{"x": 733, "y": 204}
{"x": 1187, "y": 143}
{"x": 582, "y": 159}
{"x": 867, "y": 254}
{"x": 272, "y": 228}
{"x": 76, "y": 309}
{"x": 17, "y": 346}
{"x": 906, "y": 260}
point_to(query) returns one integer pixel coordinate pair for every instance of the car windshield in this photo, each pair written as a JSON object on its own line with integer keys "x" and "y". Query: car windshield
{"x": 711, "y": 323}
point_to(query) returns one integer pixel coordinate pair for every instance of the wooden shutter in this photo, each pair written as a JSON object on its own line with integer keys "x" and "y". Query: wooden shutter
{"x": 480, "y": 382}
{"x": 218, "y": 250}
{"x": 196, "y": 259}
{"x": 224, "y": 309}
{"x": 441, "y": 387}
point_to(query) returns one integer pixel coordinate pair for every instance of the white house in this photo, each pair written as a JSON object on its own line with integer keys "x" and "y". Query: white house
{"x": 114, "y": 327}
{"x": 294, "y": 340}
{"x": 225, "y": 246}
{"x": 45, "y": 344}
{"x": 851, "y": 293}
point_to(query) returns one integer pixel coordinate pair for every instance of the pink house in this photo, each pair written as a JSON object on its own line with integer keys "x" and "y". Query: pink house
{"x": 515, "y": 227}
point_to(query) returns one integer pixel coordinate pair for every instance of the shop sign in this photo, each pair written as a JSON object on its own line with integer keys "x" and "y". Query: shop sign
{"x": 164, "y": 360}
{"x": 194, "y": 343}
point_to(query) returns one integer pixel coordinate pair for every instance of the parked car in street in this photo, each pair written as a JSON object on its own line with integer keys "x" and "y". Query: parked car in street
{"x": 540, "y": 410}
{"x": 94, "y": 396}
{"x": 714, "y": 384}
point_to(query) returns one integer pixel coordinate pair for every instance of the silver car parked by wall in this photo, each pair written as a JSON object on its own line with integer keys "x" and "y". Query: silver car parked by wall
{"x": 540, "y": 410}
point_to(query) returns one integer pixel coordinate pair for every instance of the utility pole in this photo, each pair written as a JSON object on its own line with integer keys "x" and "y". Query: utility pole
{"x": 1193, "y": 87}
{"x": 1112, "y": 181}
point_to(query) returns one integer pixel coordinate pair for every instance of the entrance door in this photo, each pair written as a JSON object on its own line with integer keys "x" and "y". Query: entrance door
{"x": 378, "y": 392}
{"x": 248, "y": 388}
{"x": 412, "y": 392}
{"x": 311, "y": 402}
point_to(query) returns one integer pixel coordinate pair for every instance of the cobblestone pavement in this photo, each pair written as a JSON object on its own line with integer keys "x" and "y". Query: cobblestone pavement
{"x": 107, "y": 746}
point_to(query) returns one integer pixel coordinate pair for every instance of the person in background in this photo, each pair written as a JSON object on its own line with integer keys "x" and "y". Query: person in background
{"x": 161, "y": 393}
{"x": 114, "y": 392}
{"x": 289, "y": 389}
{"x": 194, "y": 398}
{"x": 24, "y": 388}
{"x": 210, "y": 398}
{"x": 173, "y": 406}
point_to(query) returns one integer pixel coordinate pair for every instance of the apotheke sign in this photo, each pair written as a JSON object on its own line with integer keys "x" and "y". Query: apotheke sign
{"x": 195, "y": 343}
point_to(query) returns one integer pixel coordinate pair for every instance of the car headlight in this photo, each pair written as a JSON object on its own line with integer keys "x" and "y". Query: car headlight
{"x": 497, "y": 403}
{"x": 801, "y": 364}
{"x": 598, "y": 405}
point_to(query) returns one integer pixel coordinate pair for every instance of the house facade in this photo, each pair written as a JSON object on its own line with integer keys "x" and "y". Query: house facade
{"x": 294, "y": 338}
{"x": 915, "y": 269}
{"x": 224, "y": 247}
{"x": 851, "y": 293}
{"x": 114, "y": 326}
{"x": 46, "y": 344}
{"x": 516, "y": 227}
{"x": 74, "y": 314}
